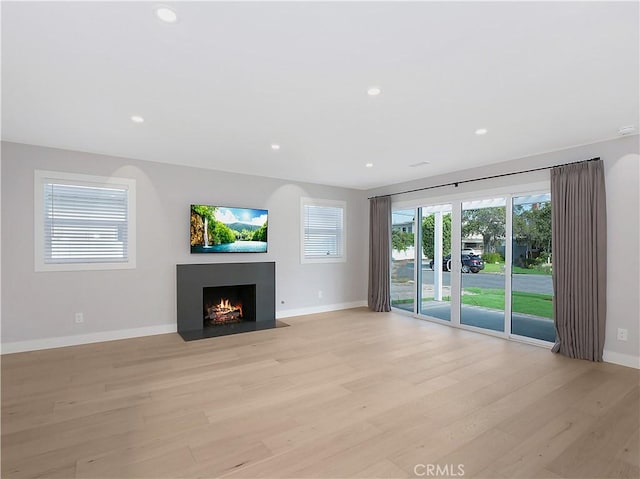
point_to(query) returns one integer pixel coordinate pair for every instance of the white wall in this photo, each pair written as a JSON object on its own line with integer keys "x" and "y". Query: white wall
{"x": 38, "y": 308}
{"x": 622, "y": 175}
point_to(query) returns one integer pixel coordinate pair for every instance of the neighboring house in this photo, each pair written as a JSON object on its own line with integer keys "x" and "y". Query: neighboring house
{"x": 473, "y": 242}
{"x": 404, "y": 227}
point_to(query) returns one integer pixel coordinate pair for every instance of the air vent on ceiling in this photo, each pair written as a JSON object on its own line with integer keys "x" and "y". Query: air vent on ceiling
{"x": 421, "y": 163}
{"x": 627, "y": 130}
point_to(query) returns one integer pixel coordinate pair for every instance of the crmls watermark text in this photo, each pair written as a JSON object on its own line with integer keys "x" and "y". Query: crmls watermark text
{"x": 439, "y": 470}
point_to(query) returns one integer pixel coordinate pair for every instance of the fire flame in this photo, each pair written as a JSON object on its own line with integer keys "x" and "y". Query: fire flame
{"x": 226, "y": 307}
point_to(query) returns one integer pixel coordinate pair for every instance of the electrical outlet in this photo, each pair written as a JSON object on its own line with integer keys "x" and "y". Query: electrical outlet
{"x": 319, "y": 294}
{"x": 623, "y": 334}
{"x": 79, "y": 318}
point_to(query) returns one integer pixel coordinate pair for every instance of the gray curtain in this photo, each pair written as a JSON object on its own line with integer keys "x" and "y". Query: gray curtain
{"x": 379, "y": 253}
{"x": 579, "y": 235}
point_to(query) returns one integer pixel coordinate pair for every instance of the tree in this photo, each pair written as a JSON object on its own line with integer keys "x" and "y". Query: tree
{"x": 532, "y": 226}
{"x": 261, "y": 233}
{"x": 487, "y": 222}
{"x": 245, "y": 235}
{"x": 428, "y": 235}
{"x": 401, "y": 240}
{"x": 204, "y": 211}
{"x": 219, "y": 233}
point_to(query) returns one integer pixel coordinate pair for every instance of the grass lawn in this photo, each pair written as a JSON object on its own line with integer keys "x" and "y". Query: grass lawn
{"x": 527, "y": 303}
{"x": 534, "y": 304}
{"x": 493, "y": 268}
{"x": 499, "y": 268}
{"x": 402, "y": 301}
{"x": 486, "y": 298}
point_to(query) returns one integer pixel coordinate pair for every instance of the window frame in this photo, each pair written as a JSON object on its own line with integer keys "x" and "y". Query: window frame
{"x": 42, "y": 177}
{"x": 304, "y": 201}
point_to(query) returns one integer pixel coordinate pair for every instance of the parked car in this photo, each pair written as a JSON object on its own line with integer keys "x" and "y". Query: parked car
{"x": 470, "y": 262}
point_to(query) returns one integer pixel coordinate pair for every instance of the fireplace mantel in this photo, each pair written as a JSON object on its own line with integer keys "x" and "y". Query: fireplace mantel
{"x": 193, "y": 278}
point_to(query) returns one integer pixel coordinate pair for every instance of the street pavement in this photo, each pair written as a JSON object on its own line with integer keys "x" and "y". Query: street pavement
{"x": 531, "y": 283}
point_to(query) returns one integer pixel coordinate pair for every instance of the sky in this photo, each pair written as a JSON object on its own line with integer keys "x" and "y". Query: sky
{"x": 241, "y": 215}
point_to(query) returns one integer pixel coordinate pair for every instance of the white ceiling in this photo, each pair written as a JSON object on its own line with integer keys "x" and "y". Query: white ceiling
{"x": 220, "y": 86}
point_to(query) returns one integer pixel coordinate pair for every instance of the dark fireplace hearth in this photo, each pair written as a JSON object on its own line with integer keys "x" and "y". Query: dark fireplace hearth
{"x": 225, "y": 298}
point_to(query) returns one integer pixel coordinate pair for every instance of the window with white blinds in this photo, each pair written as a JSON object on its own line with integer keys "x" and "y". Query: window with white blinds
{"x": 323, "y": 231}
{"x": 85, "y": 222}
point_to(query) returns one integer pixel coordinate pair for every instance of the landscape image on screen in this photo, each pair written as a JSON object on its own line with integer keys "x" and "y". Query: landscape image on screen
{"x": 218, "y": 229}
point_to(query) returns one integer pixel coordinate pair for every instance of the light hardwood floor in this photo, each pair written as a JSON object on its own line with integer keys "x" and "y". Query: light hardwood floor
{"x": 337, "y": 395}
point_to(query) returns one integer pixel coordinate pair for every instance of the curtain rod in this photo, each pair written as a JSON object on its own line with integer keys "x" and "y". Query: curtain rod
{"x": 456, "y": 183}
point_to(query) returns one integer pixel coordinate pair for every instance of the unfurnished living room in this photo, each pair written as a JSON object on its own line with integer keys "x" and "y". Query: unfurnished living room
{"x": 320, "y": 240}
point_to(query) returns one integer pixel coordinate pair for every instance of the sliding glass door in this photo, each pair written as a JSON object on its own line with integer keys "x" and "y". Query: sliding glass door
{"x": 403, "y": 274}
{"x": 531, "y": 266}
{"x": 481, "y": 266}
{"x": 477, "y": 263}
{"x": 435, "y": 250}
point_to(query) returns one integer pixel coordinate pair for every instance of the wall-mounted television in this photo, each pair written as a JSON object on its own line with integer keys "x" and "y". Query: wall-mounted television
{"x": 220, "y": 229}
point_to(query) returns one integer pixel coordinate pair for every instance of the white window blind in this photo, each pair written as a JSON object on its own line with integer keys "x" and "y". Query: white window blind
{"x": 323, "y": 230}
{"x": 84, "y": 223}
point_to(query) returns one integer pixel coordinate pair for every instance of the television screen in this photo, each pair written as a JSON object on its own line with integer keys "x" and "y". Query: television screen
{"x": 218, "y": 229}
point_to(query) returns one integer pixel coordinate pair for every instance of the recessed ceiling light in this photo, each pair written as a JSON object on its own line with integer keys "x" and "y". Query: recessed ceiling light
{"x": 481, "y": 131}
{"x": 275, "y": 147}
{"x": 374, "y": 91}
{"x": 166, "y": 15}
{"x": 369, "y": 165}
{"x": 137, "y": 119}
{"x": 627, "y": 130}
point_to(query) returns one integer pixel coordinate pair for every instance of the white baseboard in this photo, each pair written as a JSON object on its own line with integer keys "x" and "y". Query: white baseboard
{"x": 62, "y": 341}
{"x": 325, "y": 308}
{"x": 621, "y": 359}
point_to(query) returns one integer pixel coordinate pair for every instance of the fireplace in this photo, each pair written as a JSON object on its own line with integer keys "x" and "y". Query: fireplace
{"x": 225, "y": 298}
{"x": 228, "y": 304}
